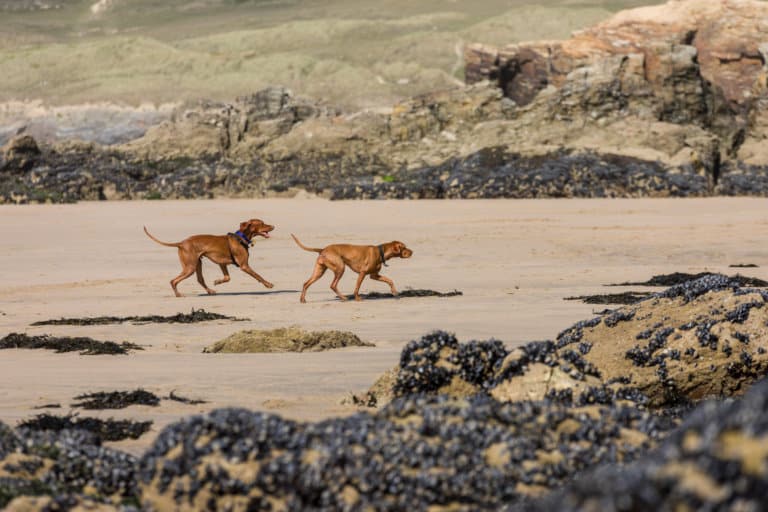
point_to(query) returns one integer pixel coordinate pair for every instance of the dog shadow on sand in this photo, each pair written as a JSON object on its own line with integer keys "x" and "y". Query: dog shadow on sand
{"x": 269, "y": 292}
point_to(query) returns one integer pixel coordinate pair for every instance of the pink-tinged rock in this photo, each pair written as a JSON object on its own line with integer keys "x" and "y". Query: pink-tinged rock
{"x": 713, "y": 42}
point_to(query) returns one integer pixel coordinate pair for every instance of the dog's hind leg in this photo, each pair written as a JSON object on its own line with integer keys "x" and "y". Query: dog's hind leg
{"x": 185, "y": 273}
{"x": 188, "y": 265}
{"x": 317, "y": 273}
{"x": 224, "y": 279}
{"x": 201, "y": 280}
{"x": 337, "y": 273}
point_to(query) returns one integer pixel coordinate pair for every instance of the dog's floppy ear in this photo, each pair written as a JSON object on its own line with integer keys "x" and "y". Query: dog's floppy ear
{"x": 398, "y": 248}
{"x": 243, "y": 225}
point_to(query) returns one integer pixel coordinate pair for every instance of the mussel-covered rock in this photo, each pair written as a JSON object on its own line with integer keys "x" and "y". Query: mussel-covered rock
{"x": 63, "y": 463}
{"x": 416, "y": 452}
{"x": 717, "y": 460}
{"x": 707, "y": 337}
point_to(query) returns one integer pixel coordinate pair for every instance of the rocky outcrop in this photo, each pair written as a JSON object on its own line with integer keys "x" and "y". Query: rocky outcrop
{"x": 446, "y": 145}
{"x": 714, "y": 461}
{"x": 439, "y": 364}
{"x": 70, "y": 465}
{"x": 687, "y": 63}
{"x": 704, "y": 338}
{"x": 415, "y": 453}
{"x": 418, "y": 452}
{"x": 683, "y": 62}
{"x": 211, "y": 130}
{"x": 700, "y": 339}
{"x": 632, "y": 107}
{"x": 495, "y": 172}
{"x": 20, "y": 154}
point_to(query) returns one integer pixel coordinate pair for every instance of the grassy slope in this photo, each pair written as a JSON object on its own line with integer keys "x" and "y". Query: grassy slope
{"x": 354, "y": 53}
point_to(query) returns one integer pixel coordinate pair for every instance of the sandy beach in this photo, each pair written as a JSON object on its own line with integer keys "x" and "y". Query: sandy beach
{"x": 514, "y": 261}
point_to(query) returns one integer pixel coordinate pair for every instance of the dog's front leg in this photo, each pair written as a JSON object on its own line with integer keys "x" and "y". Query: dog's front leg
{"x": 360, "y": 278}
{"x": 248, "y": 270}
{"x": 379, "y": 277}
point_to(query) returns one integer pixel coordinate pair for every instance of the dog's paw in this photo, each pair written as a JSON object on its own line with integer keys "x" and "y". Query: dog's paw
{"x": 269, "y": 285}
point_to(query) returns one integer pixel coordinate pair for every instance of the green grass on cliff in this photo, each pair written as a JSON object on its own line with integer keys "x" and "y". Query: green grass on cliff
{"x": 353, "y": 53}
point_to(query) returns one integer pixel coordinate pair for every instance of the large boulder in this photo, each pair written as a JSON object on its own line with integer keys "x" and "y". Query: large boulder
{"x": 416, "y": 453}
{"x": 212, "y": 130}
{"x": 700, "y": 339}
{"x": 19, "y": 154}
{"x": 715, "y": 461}
{"x": 704, "y": 338}
{"x": 67, "y": 466}
{"x": 687, "y": 60}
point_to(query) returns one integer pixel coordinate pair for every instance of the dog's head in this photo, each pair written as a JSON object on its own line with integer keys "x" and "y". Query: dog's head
{"x": 399, "y": 249}
{"x": 254, "y": 227}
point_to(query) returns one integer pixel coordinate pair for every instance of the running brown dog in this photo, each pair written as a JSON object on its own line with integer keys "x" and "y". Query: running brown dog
{"x": 363, "y": 259}
{"x": 229, "y": 249}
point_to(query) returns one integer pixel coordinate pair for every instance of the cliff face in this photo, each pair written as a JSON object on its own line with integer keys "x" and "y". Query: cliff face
{"x": 687, "y": 63}
{"x": 656, "y": 101}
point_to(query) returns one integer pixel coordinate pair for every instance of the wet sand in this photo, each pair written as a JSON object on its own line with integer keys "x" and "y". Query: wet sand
{"x": 515, "y": 261}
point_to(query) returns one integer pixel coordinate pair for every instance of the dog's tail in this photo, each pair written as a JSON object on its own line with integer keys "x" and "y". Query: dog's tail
{"x": 311, "y": 249}
{"x": 177, "y": 244}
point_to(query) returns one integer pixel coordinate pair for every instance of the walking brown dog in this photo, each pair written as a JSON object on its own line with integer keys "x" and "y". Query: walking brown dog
{"x": 363, "y": 259}
{"x": 229, "y": 249}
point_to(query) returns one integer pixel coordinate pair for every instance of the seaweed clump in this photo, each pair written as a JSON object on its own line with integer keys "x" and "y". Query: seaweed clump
{"x": 407, "y": 293}
{"x": 116, "y": 399}
{"x": 123, "y": 399}
{"x": 195, "y": 316}
{"x": 105, "y": 430}
{"x": 185, "y": 400}
{"x": 623, "y": 298}
{"x": 84, "y": 345}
